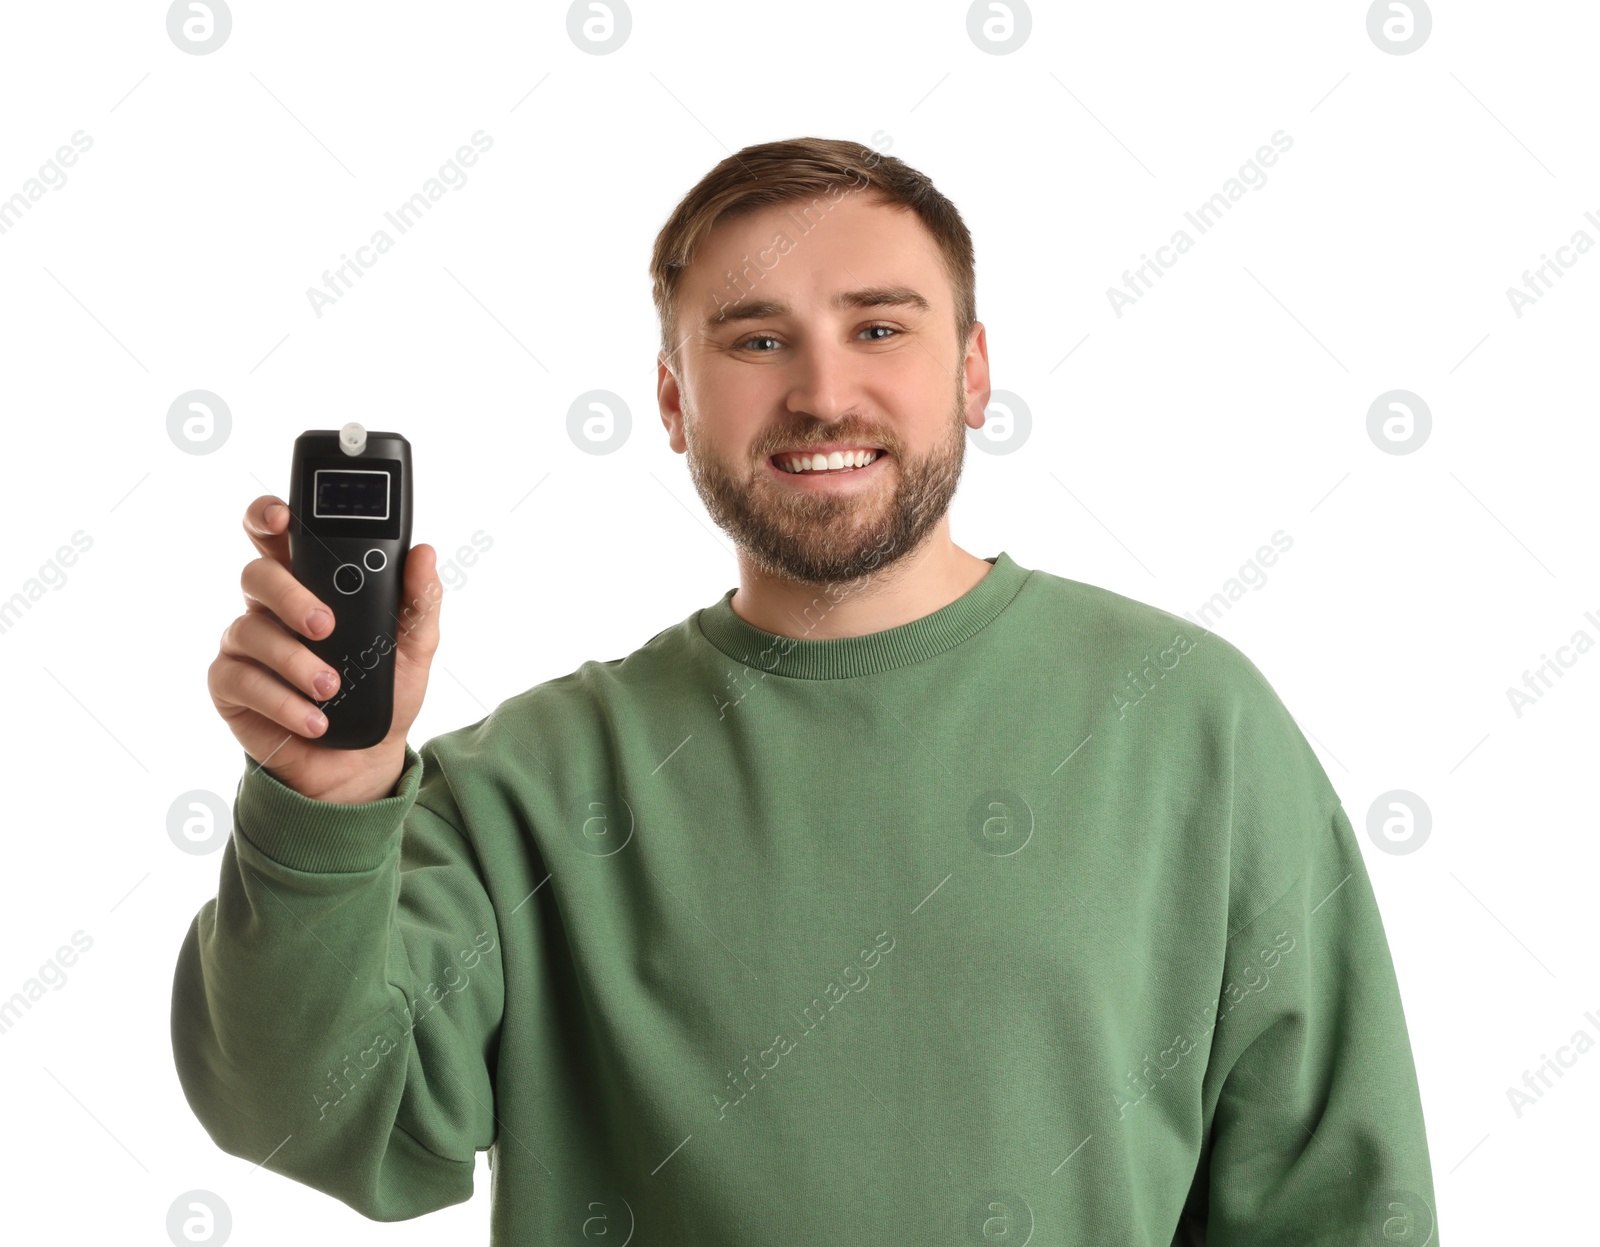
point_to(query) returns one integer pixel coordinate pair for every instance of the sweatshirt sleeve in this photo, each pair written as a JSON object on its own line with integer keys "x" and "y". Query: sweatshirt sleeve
{"x": 336, "y": 1007}
{"x": 1317, "y": 1132}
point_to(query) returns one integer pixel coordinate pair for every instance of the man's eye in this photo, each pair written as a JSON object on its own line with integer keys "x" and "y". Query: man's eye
{"x": 767, "y": 337}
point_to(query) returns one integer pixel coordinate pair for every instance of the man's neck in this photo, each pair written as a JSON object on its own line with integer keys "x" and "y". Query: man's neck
{"x": 931, "y": 577}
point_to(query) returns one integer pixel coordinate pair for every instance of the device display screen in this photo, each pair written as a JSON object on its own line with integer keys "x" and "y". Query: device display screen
{"x": 345, "y": 494}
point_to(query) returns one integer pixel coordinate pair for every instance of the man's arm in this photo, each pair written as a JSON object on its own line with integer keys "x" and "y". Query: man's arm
{"x": 336, "y": 1008}
{"x": 1317, "y": 1135}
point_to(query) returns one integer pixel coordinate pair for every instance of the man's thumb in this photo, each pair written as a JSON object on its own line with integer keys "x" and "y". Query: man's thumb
{"x": 417, "y": 628}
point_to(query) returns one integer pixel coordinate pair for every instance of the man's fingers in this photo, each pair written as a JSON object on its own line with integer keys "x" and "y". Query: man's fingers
{"x": 266, "y": 523}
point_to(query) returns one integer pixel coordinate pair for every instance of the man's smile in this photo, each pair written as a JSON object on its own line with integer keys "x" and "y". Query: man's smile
{"x": 848, "y": 467}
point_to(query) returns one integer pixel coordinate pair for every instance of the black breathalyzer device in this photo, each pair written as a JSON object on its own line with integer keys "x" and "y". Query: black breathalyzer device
{"x": 349, "y": 531}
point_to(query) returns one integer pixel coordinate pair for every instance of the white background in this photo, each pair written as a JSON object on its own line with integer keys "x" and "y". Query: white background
{"x": 1228, "y": 403}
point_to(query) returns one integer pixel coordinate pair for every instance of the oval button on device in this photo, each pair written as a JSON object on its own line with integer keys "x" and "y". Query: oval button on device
{"x": 379, "y": 555}
{"x": 347, "y": 578}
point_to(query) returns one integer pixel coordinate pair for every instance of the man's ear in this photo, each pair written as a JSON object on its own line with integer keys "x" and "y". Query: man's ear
{"x": 976, "y": 375}
{"x": 669, "y": 399}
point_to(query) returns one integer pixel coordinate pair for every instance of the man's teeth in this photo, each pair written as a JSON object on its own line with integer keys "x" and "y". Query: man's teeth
{"x": 820, "y": 463}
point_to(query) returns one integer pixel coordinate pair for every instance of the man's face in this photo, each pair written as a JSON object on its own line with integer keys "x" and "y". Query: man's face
{"x": 770, "y": 363}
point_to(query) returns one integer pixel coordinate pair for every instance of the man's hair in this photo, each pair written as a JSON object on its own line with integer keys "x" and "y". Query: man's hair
{"x": 804, "y": 169}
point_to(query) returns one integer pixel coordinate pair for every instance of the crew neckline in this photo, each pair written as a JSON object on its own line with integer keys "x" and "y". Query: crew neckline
{"x": 842, "y": 657}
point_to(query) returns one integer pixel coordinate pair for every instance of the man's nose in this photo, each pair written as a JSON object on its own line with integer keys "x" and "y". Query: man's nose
{"x": 825, "y": 380}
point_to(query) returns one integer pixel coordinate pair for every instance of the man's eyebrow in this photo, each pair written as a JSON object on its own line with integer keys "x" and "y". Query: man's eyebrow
{"x": 869, "y": 296}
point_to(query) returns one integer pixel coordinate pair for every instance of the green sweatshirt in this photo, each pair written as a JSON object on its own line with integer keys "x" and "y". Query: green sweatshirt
{"x": 1035, "y": 919}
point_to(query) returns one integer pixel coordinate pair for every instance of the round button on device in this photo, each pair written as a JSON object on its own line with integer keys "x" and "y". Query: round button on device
{"x": 347, "y": 578}
{"x": 379, "y": 555}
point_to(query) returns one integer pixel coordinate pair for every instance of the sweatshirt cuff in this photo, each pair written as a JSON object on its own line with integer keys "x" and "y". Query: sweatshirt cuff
{"x": 322, "y": 837}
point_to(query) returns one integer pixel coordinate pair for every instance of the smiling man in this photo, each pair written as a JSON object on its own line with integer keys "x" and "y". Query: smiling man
{"x": 765, "y": 389}
{"x": 897, "y": 895}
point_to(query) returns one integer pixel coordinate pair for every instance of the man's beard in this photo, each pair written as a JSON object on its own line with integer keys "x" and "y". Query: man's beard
{"x": 829, "y": 538}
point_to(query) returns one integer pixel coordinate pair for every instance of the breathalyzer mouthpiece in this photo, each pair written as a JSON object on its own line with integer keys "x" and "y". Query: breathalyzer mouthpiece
{"x": 352, "y": 439}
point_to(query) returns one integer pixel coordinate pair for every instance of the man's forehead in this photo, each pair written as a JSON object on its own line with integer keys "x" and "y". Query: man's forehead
{"x": 860, "y": 253}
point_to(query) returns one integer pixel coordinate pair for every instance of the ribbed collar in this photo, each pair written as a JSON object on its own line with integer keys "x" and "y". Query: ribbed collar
{"x": 841, "y": 657}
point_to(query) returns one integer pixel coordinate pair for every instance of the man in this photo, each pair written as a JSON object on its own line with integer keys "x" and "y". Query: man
{"x": 897, "y": 896}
